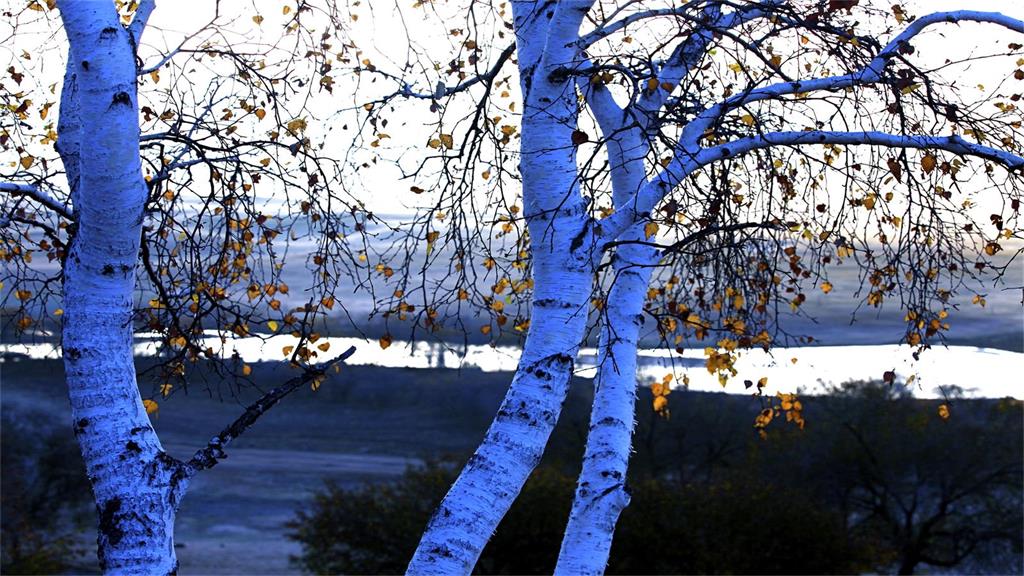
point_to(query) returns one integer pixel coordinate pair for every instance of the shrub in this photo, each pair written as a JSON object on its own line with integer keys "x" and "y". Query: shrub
{"x": 727, "y": 528}
{"x": 44, "y": 495}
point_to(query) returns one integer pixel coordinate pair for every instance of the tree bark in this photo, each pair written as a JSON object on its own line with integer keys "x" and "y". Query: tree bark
{"x": 557, "y": 218}
{"x": 137, "y": 487}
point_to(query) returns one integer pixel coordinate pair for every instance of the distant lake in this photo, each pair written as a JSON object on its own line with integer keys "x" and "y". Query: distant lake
{"x": 979, "y": 372}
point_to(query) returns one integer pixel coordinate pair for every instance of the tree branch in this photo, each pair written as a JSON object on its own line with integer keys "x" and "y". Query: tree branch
{"x": 442, "y": 91}
{"x": 955, "y": 144}
{"x": 138, "y": 25}
{"x": 698, "y": 235}
{"x": 36, "y": 194}
{"x": 689, "y": 156}
{"x": 213, "y": 452}
{"x": 870, "y": 74}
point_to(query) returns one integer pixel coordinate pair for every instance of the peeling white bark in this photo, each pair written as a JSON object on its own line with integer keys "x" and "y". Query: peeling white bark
{"x": 137, "y": 487}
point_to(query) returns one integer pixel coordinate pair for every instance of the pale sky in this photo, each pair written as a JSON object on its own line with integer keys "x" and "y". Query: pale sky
{"x": 382, "y": 32}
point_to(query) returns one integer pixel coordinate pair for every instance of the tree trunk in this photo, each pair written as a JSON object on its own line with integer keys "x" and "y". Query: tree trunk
{"x": 601, "y": 492}
{"x": 137, "y": 487}
{"x": 557, "y": 218}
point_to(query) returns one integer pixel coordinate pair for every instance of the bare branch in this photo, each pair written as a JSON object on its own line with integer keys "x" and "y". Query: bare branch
{"x": 688, "y": 150}
{"x": 213, "y": 452}
{"x": 138, "y": 25}
{"x": 955, "y": 144}
{"x": 36, "y": 194}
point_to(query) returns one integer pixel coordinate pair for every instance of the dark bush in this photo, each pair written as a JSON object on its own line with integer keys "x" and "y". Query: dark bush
{"x": 44, "y": 497}
{"x": 374, "y": 529}
{"x": 730, "y": 528}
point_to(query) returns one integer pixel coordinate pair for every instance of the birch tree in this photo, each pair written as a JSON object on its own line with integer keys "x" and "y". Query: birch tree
{"x": 160, "y": 227}
{"x": 690, "y": 171}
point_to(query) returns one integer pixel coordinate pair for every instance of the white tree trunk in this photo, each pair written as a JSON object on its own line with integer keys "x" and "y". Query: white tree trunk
{"x": 137, "y": 487}
{"x": 563, "y": 278}
{"x": 601, "y": 492}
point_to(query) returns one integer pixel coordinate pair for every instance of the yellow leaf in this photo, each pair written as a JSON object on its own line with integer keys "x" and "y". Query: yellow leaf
{"x": 272, "y": 325}
{"x": 447, "y": 141}
{"x": 650, "y": 229}
{"x": 385, "y": 341}
{"x": 324, "y": 347}
{"x": 151, "y": 406}
{"x": 27, "y": 160}
{"x": 287, "y": 350}
{"x": 747, "y": 119}
{"x": 910, "y": 88}
{"x": 155, "y": 76}
{"x": 260, "y": 113}
{"x": 257, "y": 19}
{"x": 58, "y": 312}
{"x": 660, "y": 403}
{"x": 826, "y": 287}
{"x": 246, "y": 370}
{"x": 944, "y": 411}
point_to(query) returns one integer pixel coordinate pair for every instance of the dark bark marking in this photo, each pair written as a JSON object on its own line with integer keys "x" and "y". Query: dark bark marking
{"x": 553, "y": 303}
{"x": 132, "y": 446}
{"x": 81, "y": 424}
{"x": 578, "y": 240}
{"x": 109, "y": 527}
{"x": 72, "y": 353}
{"x": 122, "y": 98}
{"x": 559, "y": 75}
{"x": 108, "y": 270}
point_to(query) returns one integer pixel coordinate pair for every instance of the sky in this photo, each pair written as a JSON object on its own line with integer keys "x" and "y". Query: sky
{"x": 385, "y": 32}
